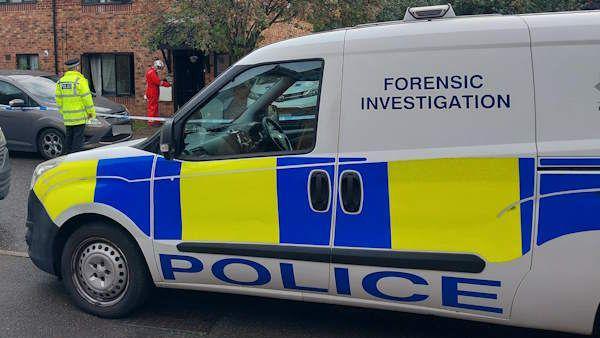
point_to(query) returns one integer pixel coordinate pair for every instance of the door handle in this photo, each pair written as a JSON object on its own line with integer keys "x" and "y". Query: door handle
{"x": 351, "y": 192}
{"x": 319, "y": 190}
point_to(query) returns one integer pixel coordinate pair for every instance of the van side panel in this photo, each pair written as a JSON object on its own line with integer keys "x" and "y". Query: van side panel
{"x": 562, "y": 292}
{"x": 446, "y": 109}
{"x": 566, "y": 53}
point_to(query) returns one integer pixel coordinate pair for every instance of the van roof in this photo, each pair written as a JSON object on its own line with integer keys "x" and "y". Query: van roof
{"x": 321, "y": 42}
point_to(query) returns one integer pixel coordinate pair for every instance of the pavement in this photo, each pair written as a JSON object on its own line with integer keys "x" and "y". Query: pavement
{"x": 34, "y": 304}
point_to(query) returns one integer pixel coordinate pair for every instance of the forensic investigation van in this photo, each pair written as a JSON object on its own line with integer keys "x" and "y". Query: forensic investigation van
{"x": 440, "y": 165}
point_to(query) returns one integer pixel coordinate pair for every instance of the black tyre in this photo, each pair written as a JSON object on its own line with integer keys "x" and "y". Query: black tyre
{"x": 51, "y": 143}
{"x": 104, "y": 271}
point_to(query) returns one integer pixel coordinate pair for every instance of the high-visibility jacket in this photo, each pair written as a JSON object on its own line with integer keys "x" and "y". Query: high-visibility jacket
{"x": 74, "y": 99}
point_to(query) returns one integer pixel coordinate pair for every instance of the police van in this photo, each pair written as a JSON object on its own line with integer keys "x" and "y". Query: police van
{"x": 439, "y": 165}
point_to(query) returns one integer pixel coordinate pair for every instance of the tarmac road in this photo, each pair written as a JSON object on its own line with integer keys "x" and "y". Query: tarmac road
{"x": 13, "y": 209}
{"x": 34, "y": 304}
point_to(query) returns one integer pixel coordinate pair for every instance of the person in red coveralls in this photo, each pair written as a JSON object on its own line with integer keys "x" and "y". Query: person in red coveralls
{"x": 153, "y": 84}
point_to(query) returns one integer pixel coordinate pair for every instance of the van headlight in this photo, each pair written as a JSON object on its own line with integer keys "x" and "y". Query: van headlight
{"x": 44, "y": 167}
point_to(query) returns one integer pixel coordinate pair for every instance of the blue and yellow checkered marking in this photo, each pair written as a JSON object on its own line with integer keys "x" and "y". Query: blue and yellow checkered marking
{"x": 124, "y": 184}
{"x": 198, "y": 203}
{"x": 443, "y": 205}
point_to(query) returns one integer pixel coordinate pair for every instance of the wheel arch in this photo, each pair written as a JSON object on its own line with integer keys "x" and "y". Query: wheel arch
{"x": 71, "y": 220}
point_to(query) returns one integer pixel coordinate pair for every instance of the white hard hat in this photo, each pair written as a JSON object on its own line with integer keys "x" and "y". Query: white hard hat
{"x": 159, "y": 64}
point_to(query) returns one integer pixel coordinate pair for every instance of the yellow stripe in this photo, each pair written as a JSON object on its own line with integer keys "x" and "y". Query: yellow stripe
{"x": 230, "y": 201}
{"x": 451, "y": 205}
{"x": 70, "y": 184}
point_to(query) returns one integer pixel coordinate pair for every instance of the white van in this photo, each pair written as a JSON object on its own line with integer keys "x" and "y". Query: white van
{"x": 448, "y": 166}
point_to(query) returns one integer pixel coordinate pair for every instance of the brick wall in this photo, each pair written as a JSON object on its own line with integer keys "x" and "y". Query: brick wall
{"x": 102, "y": 28}
{"x": 109, "y": 28}
{"x": 26, "y": 29}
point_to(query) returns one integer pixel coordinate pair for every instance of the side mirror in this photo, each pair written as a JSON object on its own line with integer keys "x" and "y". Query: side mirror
{"x": 167, "y": 142}
{"x": 16, "y": 103}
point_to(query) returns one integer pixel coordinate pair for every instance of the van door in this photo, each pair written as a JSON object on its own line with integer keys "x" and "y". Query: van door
{"x": 437, "y": 156}
{"x": 248, "y": 203}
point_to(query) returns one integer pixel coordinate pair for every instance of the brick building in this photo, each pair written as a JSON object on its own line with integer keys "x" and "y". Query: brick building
{"x": 107, "y": 36}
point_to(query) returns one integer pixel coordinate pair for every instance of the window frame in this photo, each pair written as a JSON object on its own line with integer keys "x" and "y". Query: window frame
{"x": 131, "y": 56}
{"x": 28, "y": 55}
{"x": 23, "y": 2}
{"x": 98, "y": 3}
{"x": 213, "y": 90}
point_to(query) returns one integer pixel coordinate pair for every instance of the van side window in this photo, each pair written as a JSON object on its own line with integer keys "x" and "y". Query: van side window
{"x": 266, "y": 109}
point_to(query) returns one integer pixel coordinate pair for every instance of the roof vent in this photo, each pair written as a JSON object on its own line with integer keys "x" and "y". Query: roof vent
{"x": 429, "y": 12}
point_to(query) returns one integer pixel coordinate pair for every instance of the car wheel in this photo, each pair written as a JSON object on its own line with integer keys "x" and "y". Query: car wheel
{"x": 51, "y": 143}
{"x": 104, "y": 271}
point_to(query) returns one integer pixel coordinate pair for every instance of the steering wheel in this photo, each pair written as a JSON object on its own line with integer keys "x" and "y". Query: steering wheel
{"x": 276, "y": 134}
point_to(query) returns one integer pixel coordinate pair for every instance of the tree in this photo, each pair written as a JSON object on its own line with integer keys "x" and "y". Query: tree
{"x": 395, "y": 9}
{"x": 345, "y": 13}
{"x": 225, "y": 26}
{"x": 332, "y": 14}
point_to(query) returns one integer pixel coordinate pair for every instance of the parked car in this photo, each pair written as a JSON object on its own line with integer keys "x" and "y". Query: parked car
{"x": 4, "y": 167}
{"x": 32, "y": 123}
{"x": 301, "y": 95}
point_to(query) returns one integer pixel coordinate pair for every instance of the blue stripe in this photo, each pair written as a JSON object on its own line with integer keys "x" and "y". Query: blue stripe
{"x": 167, "y": 200}
{"x": 131, "y": 168}
{"x": 568, "y": 214}
{"x": 371, "y": 228}
{"x": 551, "y": 183}
{"x": 298, "y": 223}
{"x": 527, "y": 185}
{"x": 132, "y": 199}
{"x": 352, "y": 159}
{"x": 570, "y": 162}
{"x": 288, "y": 161}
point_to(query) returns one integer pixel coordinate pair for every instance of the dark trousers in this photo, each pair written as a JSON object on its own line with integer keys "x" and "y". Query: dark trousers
{"x": 74, "y": 139}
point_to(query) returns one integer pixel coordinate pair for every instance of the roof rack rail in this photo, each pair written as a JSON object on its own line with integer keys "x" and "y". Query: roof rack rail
{"x": 429, "y": 12}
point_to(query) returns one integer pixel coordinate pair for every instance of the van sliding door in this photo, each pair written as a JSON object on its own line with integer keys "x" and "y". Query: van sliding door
{"x": 436, "y": 166}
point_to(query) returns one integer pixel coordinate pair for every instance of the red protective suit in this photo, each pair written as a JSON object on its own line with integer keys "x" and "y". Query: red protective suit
{"x": 153, "y": 84}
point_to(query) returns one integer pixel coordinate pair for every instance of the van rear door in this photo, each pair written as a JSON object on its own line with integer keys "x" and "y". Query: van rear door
{"x": 437, "y": 163}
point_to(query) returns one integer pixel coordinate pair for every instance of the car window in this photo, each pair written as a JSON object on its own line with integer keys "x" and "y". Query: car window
{"x": 8, "y": 92}
{"x": 266, "y": 109}
{"x": 38, "y": 86}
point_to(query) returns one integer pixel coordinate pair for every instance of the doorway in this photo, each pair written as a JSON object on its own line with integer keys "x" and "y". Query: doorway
{"x": 188, "y": 66}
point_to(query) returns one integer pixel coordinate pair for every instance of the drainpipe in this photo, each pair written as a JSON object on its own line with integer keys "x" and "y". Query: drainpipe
{"x": 55, "y": 36}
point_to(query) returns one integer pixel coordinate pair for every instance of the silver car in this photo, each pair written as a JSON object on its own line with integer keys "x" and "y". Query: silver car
{"x": 4, "y": 167}
{"x": 31, "y": 122}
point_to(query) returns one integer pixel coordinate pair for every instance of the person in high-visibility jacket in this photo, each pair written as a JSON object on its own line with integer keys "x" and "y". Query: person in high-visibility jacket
{"x": 75, "y": 103}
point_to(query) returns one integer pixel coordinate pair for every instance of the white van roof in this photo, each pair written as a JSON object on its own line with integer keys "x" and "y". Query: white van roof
{"x": 318, "y": 45}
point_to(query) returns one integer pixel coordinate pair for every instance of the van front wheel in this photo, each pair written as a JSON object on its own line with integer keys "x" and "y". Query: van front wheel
{"x": 103, "y": 271}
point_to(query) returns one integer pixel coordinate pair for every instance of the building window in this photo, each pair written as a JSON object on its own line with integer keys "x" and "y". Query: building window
{"x": 95, "y": 2}
{"x": 109, "y": 74}
{"x": 28, "y": 61}
{"x": 17, "y": 1}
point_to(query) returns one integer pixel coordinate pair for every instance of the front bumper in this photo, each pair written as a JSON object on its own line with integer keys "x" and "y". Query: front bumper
{"x": 41, "y": 236}
{"x": 4, "y": 173}
{"x": 104, "y": 135}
